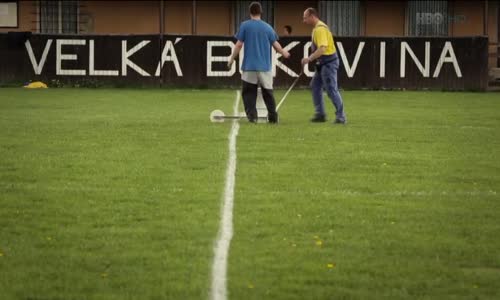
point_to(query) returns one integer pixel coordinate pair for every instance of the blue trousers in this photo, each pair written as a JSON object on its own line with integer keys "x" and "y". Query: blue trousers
{"x": 325, "y": 77}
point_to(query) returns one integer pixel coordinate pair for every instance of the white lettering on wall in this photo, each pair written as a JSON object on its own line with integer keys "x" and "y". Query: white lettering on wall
{"x": 92, "y": 70}
{"x": 382, "y": 60}
{"x": 423, "y": 69}
{"x": 211, "y": 59}
{"x": 60, "y": 57}
{"x": 277, "y": 63}
{"x": 448, "y": 48}
{"x": 38, "y": 67}
{"x": 169, "y": 48}
{"x": 69, "y": 51}
{"x": 127, "y": 62}
{"x": 350, "y": 70}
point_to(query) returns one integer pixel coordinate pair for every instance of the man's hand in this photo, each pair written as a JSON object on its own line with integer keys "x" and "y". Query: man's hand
{"x": 320, "y": 51}
{"x": 230, "y": 63}
{"x": 279, "y": 49}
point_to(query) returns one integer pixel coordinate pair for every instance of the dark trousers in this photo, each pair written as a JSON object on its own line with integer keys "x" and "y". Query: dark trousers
{"x": 249, "y": 94}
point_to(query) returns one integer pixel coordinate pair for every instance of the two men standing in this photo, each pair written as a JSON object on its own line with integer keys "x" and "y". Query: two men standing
{"x": 259, "y": 37}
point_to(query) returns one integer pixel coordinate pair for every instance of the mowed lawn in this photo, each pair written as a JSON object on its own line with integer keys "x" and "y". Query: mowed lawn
{"x": 116, "y": 194}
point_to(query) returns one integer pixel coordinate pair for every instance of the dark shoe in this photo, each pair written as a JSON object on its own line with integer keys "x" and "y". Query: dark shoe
{"x": 252, "y": 118}
{"x": 273, "y": 118}
{"x": 318, "y": 119}
{"x": 340, "y": 121}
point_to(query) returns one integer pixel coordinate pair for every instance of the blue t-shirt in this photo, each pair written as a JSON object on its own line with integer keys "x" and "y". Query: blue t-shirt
{"x": 258, "y": 37}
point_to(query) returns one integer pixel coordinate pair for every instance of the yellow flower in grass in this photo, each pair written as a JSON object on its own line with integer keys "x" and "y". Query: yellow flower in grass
{"x": 319, "y": 243}
{"x": 330, "y": 265}
{"x": 1, "y": 253}
{"x": 250, "y": 286}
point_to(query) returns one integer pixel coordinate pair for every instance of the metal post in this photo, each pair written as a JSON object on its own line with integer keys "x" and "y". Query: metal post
{"x": 38, "y": 18}
{"x": 485, "y": 18}
{"x": 451, "y": 13}
{"x": 60, "y": 17}
{"x": 162, "y": 17}
{"x": 193, "y": 25}
{"x": 231, "y": 23}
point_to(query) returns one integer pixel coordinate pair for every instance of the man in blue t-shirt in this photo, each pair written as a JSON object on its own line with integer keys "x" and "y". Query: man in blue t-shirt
{"x": 258, "y": 37}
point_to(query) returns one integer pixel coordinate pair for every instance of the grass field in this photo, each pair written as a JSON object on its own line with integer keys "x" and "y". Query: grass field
{"x": 116, "y": 194}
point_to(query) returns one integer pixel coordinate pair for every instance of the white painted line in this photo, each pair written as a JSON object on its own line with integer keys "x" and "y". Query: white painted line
{"x": 221, "y": 250}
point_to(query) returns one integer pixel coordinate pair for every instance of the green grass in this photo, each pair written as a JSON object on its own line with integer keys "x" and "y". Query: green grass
{"x": 115, "y": 194}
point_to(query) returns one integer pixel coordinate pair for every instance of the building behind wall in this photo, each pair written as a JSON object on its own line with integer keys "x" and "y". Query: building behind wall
{"x": 356, "y": 18}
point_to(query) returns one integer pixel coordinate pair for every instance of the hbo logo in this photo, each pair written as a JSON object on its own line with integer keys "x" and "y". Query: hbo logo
{"x": 430, "y": 18}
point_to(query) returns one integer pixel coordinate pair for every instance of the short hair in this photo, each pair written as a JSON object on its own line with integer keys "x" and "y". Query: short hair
{"x": 288, "y": 28}
{"x": 312, "y": 12}
{"x": 255, "y": 9}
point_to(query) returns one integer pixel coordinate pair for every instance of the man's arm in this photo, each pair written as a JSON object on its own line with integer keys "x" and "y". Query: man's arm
{"x": 279, "y": 49}
{"x": 236, "y": 51}
{"x": 315, "y": 55}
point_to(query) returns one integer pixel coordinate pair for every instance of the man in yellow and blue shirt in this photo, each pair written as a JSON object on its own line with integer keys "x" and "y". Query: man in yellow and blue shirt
{"x": 327, "y": 64}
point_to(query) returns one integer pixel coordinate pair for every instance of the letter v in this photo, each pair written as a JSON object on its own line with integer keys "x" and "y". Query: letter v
{"x": 38, "y": 67}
